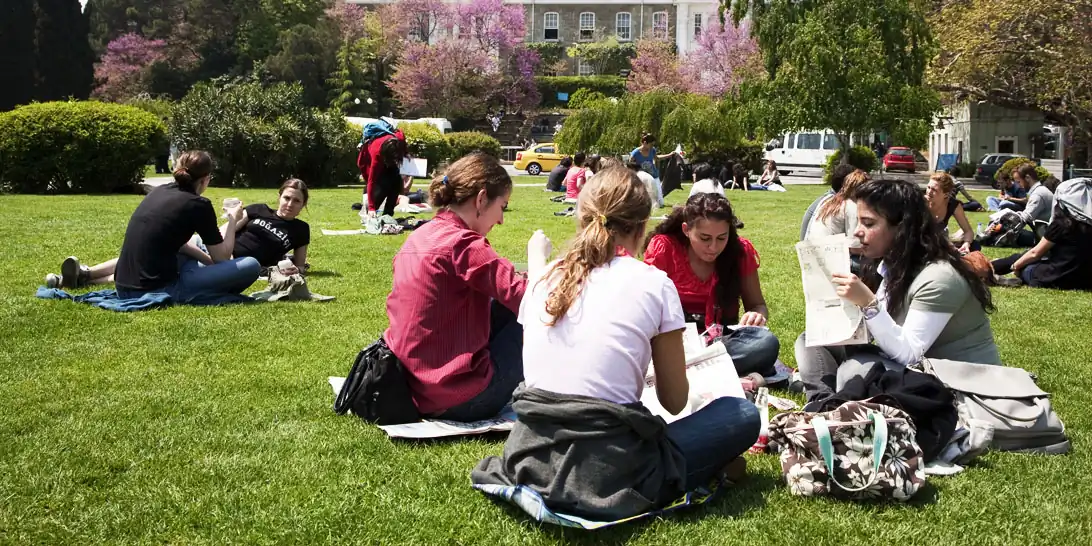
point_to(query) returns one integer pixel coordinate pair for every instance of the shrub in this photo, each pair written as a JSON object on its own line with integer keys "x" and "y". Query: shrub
{"x": 550, "y": 86}
{"x": 158, "y": 107}
{"x": 426, "y": 141}
{"x": 1015, "y": 163}
{"x": 584, "y": 96}
{"x": 962, "y": 170}
{"x": 73, "y": 147}
{"x": 262, "y": 135}
{"x": 468, "y": 142}
{"x": 859, "y": 156}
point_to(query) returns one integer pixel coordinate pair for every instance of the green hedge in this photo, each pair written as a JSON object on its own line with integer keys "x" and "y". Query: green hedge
{"x": 1014, "y": 163}
{"x": 468, "y": 142}
{"x": 550, "y": 86}
{"x": 261, "y": 135}
{"x": 76, "y": 147}
{"x": 583, "y": 97}
{"x": 426, "y": 141}
{"x": 859, "y": 156}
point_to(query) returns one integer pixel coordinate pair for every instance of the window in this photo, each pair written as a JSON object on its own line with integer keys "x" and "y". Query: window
{"x": 622, "y": 26}
{"x": 550, "y": 24}
{"x": 587, "y": 26}
{"x": 809, "y": 141}
{"x": 545, "y": 150}
{"x": 791, "y": 144}
{"x": 697, "y": 24}
{"x": 659, "y": 25}
{"x": 830, "y": 142}
{"x": 584, "y": 69}
{"x": 1006, "y": 145}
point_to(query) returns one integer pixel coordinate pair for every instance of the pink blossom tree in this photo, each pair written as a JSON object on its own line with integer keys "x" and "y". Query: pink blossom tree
{"x": 448, "y": 79}
{"x": 123, "y": 71}
{"x": 654, "y": 67}
{"x": 492, "y": 24}
{"x": 723, "y": 56}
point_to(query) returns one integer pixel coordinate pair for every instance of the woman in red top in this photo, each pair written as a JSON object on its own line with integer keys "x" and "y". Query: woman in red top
{"x": 453, "y": 300}
{"x": 713, "y": 268}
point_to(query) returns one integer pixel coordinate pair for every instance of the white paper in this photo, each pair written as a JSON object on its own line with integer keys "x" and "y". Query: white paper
{"x": 344, "y": 232}
{"x": 828, "y": 319}
{"x": 711, "y": 374}
{"x": 436, "y": 428}
{"x": 415, "y": 167}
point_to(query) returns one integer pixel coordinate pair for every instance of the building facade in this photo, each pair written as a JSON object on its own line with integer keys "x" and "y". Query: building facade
{"x": 973, "y": 129}
{"x": 568, "y": 22}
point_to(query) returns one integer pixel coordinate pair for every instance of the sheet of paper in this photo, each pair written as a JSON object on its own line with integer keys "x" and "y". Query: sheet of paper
{"x": 344, "y": 232}
{"x": 829, "y": 319}
{"x": 414, "y": 167}
{"x": 711, "y": 374}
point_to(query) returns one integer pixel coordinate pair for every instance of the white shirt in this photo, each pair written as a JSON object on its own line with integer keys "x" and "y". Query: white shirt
{"x": 905, "y": 344}
{"x": 654, "y": 189}
{"x": 602, "y": 346}
{"x": 707, "y": 185}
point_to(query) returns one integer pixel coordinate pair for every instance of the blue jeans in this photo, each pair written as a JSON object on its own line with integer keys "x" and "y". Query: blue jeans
{"x": 826, "y": 370}
{"x": 506, "y": 353}
{"x": 714, "y": 436}
{"x": 996, "y": 203}
{"x": 752, "y": 349}
{"x": 215, "y": 284}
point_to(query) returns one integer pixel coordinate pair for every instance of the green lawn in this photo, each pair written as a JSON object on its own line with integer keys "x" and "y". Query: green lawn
{"x": 213, "y": 426}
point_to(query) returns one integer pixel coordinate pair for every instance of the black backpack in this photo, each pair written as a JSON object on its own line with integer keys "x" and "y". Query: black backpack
{"x": 376, "y": 389}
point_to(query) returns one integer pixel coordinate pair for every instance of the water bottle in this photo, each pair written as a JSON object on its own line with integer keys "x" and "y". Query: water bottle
{"x": 979, "y": 231}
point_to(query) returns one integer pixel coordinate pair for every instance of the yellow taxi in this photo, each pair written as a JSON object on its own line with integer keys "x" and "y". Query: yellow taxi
{"x": 538, "y": 158}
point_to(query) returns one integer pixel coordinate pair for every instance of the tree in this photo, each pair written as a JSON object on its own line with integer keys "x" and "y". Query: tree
{"x": 1031, "y": 54}
{"x": 654, "y": 67}
{"x": 17, "y": 62}
{"x": 306, "y": 55}
{"x": 847, "y": 65}
{"x": 124, "y": 69}
{"x": 64, "y": 56}
{"x": 448, "y": 79}
{"x": 724, "y": 54}
{"x": 606, "y": 56}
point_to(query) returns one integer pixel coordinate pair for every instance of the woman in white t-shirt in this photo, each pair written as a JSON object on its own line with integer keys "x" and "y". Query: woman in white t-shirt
{"x": 592, "y": 322}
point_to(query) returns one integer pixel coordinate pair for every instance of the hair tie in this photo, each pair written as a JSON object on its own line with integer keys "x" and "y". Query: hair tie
{"x": 603, "y": 220}
{"x": 444, "y": 181}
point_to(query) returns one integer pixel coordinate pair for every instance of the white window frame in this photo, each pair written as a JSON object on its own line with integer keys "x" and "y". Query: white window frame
{"x": 584, "y": 69}
{"x": 590, "y": 28}
{"x": 660, "y": 31}
{"x": 699, "y": 23}
{"x": 546, "y": 26}
{"x": 628, "y": 27}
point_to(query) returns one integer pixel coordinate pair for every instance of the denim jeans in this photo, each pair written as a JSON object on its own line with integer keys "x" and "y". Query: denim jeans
{"x": 996, "y": 203}
{"x": 752, "y": 349}
{"x": 826, "y": 370}
{"x": 714, "y": 436}
{"x": 506, "y": 353}
{"x": 199, "y": 284}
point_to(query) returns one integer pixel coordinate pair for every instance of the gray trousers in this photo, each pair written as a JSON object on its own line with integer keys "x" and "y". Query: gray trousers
{"x": 826, "y": 370}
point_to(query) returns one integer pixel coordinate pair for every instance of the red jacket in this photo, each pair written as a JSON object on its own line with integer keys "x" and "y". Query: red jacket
{"x": 371, "y": 168}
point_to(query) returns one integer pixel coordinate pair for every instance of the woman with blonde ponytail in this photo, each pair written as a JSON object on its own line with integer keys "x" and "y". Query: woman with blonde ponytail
{"x": 592, "y": 322}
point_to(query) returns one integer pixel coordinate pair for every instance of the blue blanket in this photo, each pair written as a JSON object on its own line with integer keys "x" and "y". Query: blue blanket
{"x": 108, "y": 299}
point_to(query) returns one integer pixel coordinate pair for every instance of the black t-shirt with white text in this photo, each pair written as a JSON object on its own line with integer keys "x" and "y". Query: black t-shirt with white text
{"x": 163, "y": 222}
{"x": 268, "y": 237}
{"x": 1068, "y": 264}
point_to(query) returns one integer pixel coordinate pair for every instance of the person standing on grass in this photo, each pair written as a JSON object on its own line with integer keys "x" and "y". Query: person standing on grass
{"x": 453, "y": 298}
{"x": 929, "y": 302}
{"x": 592, "y": 323}
{"x": 261, "y": 232}
{"x": 713, "y": 269}
{"x": 164, "y": 222}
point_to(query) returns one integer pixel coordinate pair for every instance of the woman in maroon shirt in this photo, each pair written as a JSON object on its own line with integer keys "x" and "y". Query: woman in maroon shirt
{"x": 713, "y": 269}
{"x": 453, "y": 300}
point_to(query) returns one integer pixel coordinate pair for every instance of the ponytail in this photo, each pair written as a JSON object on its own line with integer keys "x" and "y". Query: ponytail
{"x": 617, "y": 204}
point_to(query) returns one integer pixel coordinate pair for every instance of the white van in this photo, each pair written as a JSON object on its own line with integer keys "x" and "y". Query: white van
{"x": 805, "y": 152}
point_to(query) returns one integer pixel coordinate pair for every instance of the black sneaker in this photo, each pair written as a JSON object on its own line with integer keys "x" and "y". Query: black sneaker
{"x": 70, "y": 272}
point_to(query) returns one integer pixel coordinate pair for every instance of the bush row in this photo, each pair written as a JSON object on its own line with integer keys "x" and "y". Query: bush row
{"x": 550, "y": 86}
{"x": 426, "y": 141}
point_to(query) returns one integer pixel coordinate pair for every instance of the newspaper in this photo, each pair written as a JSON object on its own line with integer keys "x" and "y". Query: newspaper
{"x": 711, "y": 375}
{"x": 828, "y": 319}
{"x": 438, "y": 428}
{"x": 415, "y": 167}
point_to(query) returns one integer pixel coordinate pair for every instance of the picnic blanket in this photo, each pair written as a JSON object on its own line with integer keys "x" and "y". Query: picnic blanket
{"x": 108, "y": 299}
{"x": 532, "y": 503}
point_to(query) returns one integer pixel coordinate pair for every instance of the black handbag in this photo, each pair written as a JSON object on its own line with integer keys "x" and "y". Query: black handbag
{"x": 376, "y": 388}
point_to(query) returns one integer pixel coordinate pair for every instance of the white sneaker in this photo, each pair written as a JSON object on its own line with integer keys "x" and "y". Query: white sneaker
{"x": 53, "y": 280}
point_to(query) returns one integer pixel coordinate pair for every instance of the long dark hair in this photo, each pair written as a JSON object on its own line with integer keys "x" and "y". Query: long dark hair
{"x": 715, "y": 207}
{"x": 918, "y": 241}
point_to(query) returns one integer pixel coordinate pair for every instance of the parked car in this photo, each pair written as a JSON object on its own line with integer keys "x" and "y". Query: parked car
{"x": 899, "y": 158}
{"x": 988, "y": 166}
{"x": 534, "y": 160}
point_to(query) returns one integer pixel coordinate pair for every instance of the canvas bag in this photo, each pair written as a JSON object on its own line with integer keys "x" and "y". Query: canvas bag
{"x": 1008, "y": 399}
{"x": 831, "y": 453}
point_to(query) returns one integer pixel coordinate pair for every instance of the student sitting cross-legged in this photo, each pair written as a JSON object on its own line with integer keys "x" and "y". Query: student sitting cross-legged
{"x": 592, "y": 322}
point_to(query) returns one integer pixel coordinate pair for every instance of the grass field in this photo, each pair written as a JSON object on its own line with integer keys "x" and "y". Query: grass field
{"x": 213, "y": 425}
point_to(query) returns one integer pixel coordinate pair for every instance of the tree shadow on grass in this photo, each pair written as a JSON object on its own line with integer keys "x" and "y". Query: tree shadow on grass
{"x": 323, "y": 274}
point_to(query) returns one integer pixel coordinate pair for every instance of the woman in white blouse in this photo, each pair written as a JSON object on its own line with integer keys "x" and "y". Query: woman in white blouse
{"x": 929, "y": 303}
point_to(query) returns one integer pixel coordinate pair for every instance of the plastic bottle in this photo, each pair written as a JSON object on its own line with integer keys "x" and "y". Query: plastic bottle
{"x": 979, "y": 230}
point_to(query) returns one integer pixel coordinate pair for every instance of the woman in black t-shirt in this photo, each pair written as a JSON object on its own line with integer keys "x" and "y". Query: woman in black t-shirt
{"x": 261, "y": 233}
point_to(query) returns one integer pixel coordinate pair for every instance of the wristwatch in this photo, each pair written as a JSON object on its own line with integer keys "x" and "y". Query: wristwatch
{"x": 871, "y": 310}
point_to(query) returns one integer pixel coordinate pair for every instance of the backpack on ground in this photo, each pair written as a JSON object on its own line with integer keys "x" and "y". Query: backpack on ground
{"x": 376, "y": 389}
{"x": 1007, "y": 398}
{"x": 1004, "y": 231}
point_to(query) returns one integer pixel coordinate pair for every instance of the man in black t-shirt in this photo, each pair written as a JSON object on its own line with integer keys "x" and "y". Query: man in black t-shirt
{"x": 556, "y": 181}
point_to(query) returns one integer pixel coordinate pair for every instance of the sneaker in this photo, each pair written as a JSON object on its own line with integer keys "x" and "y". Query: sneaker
{"x": 1008, "y": 281}
{"x": 734, "y": 471}
{"x": 53, "y": 280}
{"x": 70, "y": 272}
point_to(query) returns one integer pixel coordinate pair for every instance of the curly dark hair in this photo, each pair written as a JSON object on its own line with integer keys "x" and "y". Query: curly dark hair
{"x": 918, "y": 240}
{"x": 710, "y": 206}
